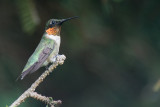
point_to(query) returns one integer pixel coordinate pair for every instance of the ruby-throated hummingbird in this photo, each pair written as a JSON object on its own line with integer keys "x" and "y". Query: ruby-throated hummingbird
{"x": 48, "y": 47}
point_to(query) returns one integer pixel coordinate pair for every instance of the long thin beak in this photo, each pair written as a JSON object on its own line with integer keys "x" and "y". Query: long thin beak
{"x": 64, "y": 20}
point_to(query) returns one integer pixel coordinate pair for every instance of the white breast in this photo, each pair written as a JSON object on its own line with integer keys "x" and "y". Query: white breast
{"x": 55, "y": 37}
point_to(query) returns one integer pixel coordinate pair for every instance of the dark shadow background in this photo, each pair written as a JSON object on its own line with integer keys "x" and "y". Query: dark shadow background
{"x": 112, "y": 50}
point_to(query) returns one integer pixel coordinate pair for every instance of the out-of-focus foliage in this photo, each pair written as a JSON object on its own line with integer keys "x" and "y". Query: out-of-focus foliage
{"x": 28, "y": 15}
{"x": 112, "y": 50}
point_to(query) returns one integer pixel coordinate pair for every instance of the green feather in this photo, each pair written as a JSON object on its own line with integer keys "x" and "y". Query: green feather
{"x": 45, "y": 42}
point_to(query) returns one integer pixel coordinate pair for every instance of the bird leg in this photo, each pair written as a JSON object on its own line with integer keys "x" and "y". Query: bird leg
{"x": 61, "y": 59}
{"x": 58, "y": 58}
{"x": 53, "y": 59}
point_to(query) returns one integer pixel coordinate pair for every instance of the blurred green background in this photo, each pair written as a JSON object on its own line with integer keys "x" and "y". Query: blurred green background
{"x": 112, "y": 50}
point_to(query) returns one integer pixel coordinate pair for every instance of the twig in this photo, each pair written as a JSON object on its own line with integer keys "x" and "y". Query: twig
{"x": 45, "y": 99}
{"x": 30, "y": 92}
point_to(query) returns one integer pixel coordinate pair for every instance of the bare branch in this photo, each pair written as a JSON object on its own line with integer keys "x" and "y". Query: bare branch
{"x": 45, "y": 99}
{"x": 30, "y": 92}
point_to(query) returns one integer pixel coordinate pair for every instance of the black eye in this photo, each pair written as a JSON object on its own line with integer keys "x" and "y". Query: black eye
{"x": 53, "y": 22}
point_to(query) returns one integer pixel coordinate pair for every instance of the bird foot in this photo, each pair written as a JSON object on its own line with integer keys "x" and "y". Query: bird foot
{"x": 60, "y": 59}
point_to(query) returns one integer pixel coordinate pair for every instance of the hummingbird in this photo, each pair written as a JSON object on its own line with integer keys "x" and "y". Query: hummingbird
{"x": 48, "y": 47}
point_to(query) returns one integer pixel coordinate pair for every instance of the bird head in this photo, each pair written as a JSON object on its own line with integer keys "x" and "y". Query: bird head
{"x": 53, "y": 26}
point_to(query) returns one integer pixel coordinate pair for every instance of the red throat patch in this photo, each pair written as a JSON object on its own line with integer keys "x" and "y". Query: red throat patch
{"x": 52, "y": 31}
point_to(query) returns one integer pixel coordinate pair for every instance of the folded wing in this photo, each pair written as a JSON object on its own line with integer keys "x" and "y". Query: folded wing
{"x": 41, "y": 59}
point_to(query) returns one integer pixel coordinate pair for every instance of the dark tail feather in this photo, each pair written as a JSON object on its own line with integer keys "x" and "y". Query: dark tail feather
{"x": 24, "y": 73}
{"x": 18, "y": 78}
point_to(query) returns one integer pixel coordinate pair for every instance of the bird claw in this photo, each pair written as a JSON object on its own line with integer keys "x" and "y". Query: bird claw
{"x": 60, "y": 59}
